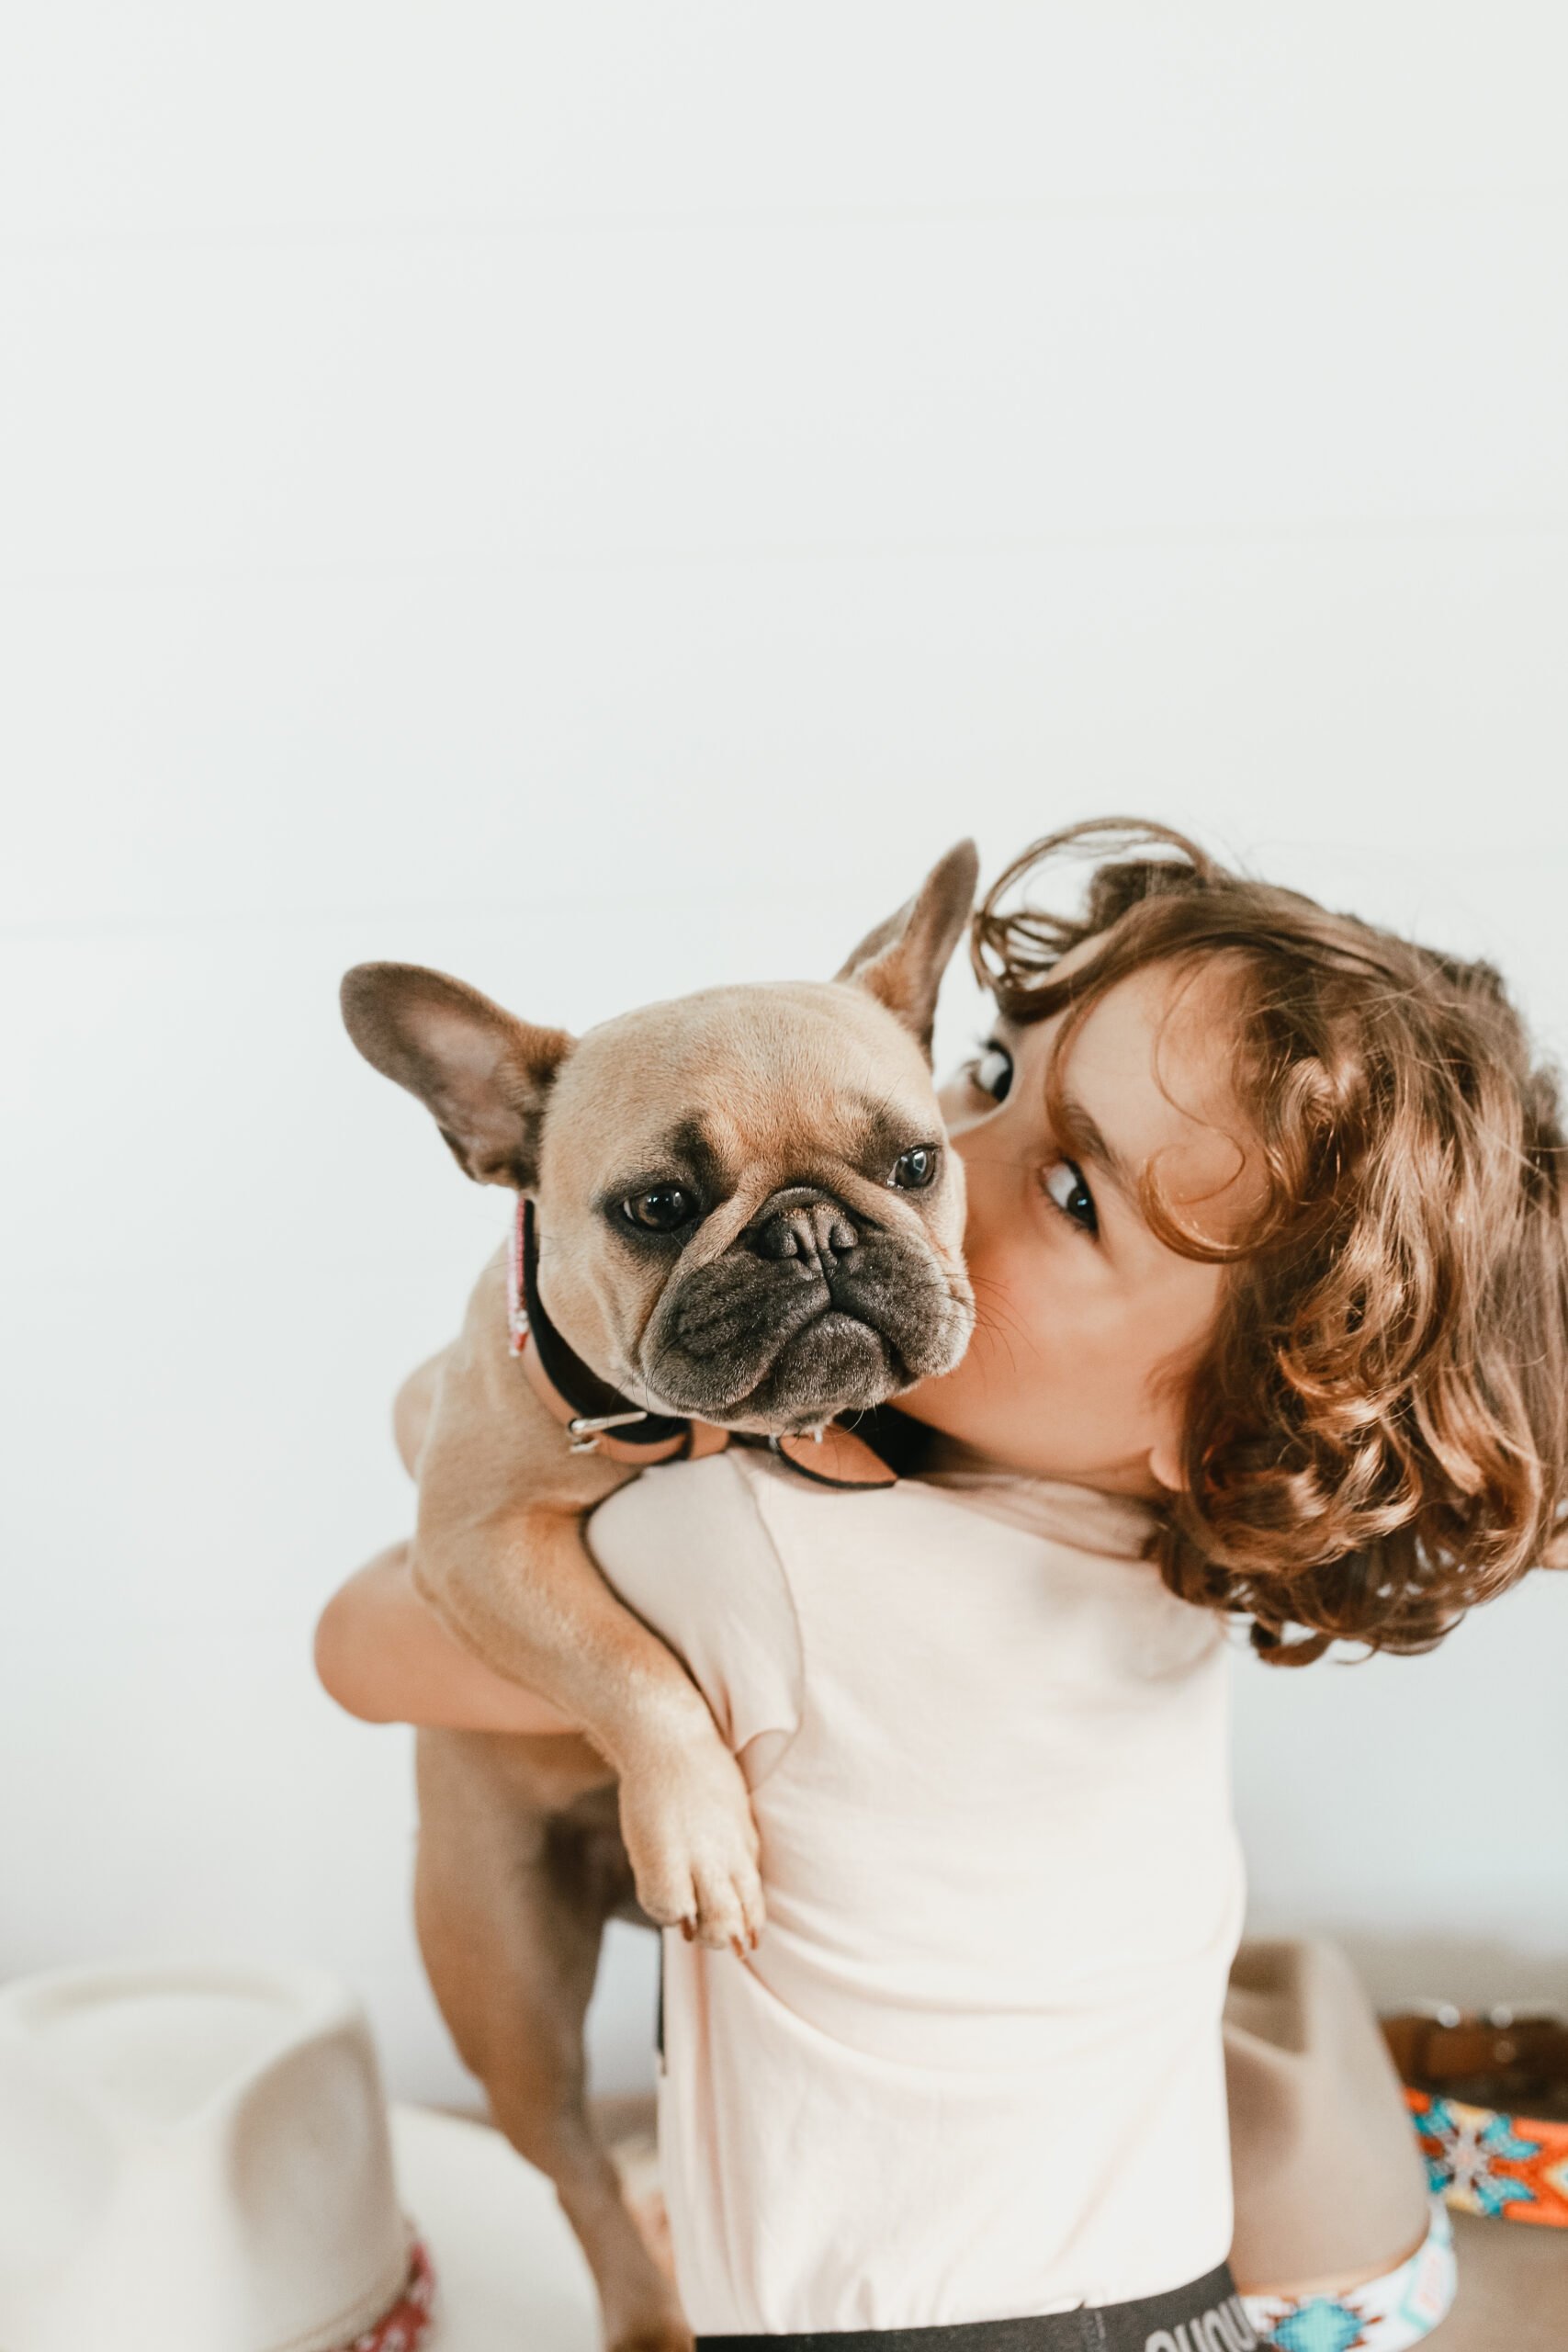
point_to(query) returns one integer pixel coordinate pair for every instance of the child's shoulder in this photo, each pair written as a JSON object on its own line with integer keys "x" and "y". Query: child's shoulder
{"x": 686, "y": 1545}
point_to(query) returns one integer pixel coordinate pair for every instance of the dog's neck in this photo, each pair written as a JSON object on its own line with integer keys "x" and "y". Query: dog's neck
{"x": 597, "y": 1418}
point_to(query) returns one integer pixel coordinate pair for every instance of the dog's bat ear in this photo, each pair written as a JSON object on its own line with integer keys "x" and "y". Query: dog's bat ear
{"x": 482, "y": 1074}
{"x": 902, "y": 961}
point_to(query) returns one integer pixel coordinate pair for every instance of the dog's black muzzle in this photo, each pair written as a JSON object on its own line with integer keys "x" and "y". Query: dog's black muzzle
{"x": 815, "y": 1309}
{"x": 806, "y": 1225}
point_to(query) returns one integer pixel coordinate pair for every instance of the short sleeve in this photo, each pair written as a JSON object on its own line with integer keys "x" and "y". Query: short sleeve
{"x": 685, "y": 1545}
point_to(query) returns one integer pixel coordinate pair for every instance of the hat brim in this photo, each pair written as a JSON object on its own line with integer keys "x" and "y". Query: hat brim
{"x": 508, "y": 2269}
{"x": 1512, "y": 2287}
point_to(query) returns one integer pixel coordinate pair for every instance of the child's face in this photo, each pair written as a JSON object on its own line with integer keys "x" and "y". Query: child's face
{"x": 1088, "y": 1325}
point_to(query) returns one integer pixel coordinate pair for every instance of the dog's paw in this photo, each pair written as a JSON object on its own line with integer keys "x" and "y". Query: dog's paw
{"x": 693, "y": 1845}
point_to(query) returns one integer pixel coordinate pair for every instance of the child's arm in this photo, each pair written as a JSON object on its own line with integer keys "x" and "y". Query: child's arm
{"x": 383, "y": 1653}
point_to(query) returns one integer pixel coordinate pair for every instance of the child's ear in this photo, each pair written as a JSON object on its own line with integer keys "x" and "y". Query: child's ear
{"x": 482, "y": 1074}
{"x": 902, "y": 961}
{"x": 1165, "y": 1465}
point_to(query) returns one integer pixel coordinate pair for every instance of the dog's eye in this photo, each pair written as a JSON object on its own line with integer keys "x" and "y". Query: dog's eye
{"x": 915, "y": 1168}
{"x": 664, "y": 1210}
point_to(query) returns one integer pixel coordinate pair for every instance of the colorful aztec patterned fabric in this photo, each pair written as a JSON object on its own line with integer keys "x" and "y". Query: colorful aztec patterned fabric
{"x": 1508, "y": 2167}
{"x": 1386, "y": 2315}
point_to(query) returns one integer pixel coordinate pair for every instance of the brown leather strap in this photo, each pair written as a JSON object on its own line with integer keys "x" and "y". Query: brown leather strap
{"x": 1497, "y": 2055}
{"x": 837, "y": 1458}
{"x": 696, "y": 1437}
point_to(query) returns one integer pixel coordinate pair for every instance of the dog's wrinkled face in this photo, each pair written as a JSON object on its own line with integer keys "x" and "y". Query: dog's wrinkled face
{"x": 746, "y": 1209}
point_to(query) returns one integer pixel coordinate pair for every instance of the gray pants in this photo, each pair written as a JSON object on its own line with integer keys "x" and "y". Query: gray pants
{"x": 1208, "y": 2316}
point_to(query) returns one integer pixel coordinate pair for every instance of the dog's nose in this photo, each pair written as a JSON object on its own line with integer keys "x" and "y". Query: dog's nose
{"x": 809, "y": 1226}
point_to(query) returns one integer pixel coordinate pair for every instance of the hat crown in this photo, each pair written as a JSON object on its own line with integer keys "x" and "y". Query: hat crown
{"x": 1327, "y": 2174}
{"x": 188, "y": 2157}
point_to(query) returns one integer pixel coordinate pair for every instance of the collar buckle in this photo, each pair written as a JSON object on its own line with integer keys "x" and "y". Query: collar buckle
{"x": 585, "y": 1431}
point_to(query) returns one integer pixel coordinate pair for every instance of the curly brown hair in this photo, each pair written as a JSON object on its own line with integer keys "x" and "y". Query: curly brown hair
{"x": 1376, "y": 1437}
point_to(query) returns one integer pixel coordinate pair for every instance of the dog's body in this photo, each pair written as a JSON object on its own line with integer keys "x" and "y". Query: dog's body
{"x": 747, "y": 1220}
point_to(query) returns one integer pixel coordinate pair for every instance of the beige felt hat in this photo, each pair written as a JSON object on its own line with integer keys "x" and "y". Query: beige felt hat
{"x": 189, "y": 2159}
{"x": 1327, "y": 2171}
{"x": 199, "y": 2159}
{"x": 1331, "y": 2188}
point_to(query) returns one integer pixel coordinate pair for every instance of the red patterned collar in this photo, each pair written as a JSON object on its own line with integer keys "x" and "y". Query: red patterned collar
{"x": 403, "y": 2327}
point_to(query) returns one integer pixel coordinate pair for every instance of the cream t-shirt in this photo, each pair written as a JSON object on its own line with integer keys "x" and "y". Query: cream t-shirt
{"x": 974, "y": 2069}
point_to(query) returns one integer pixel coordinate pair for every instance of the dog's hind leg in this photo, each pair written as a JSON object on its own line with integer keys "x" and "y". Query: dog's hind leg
{"x": 519, "y": 1868}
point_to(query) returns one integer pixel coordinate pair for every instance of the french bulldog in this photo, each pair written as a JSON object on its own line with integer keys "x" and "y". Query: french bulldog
{"x": 737, "y": 1216}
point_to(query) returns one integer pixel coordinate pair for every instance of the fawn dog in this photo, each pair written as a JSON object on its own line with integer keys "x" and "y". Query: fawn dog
{"x": 736, "y": 1214}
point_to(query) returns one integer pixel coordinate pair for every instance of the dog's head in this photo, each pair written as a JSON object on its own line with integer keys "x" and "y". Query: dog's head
{"x": 747, "y": 1210}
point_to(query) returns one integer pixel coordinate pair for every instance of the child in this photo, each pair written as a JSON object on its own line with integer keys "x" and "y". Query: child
{"x": 1265, "y": 1233}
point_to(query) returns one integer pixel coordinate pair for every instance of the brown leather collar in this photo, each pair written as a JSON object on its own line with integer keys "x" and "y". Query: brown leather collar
{"x": 1494, "y": 2059}
{"x": 598, "y": 1420}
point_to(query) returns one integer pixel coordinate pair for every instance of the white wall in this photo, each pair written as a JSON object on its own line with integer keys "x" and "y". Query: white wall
{"x": 595, "y": 498}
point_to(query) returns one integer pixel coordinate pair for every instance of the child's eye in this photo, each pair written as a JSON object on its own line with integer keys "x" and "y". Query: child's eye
{"x": 1064, "y": 1185}
{"x": 993, "y": 1071}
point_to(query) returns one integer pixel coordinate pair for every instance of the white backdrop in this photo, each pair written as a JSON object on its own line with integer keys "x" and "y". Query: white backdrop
{"x": 596, "y": 498}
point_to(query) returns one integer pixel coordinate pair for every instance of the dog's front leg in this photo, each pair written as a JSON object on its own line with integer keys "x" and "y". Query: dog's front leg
{"x": 522, "y": 1591}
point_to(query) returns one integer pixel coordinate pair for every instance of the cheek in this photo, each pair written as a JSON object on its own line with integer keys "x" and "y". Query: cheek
{"x": 1041, "y": 1287}
{"x": 956, "y": 1100}
{"x": 1034, "y": 1286}
{"x": 1181, "y": 1330}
